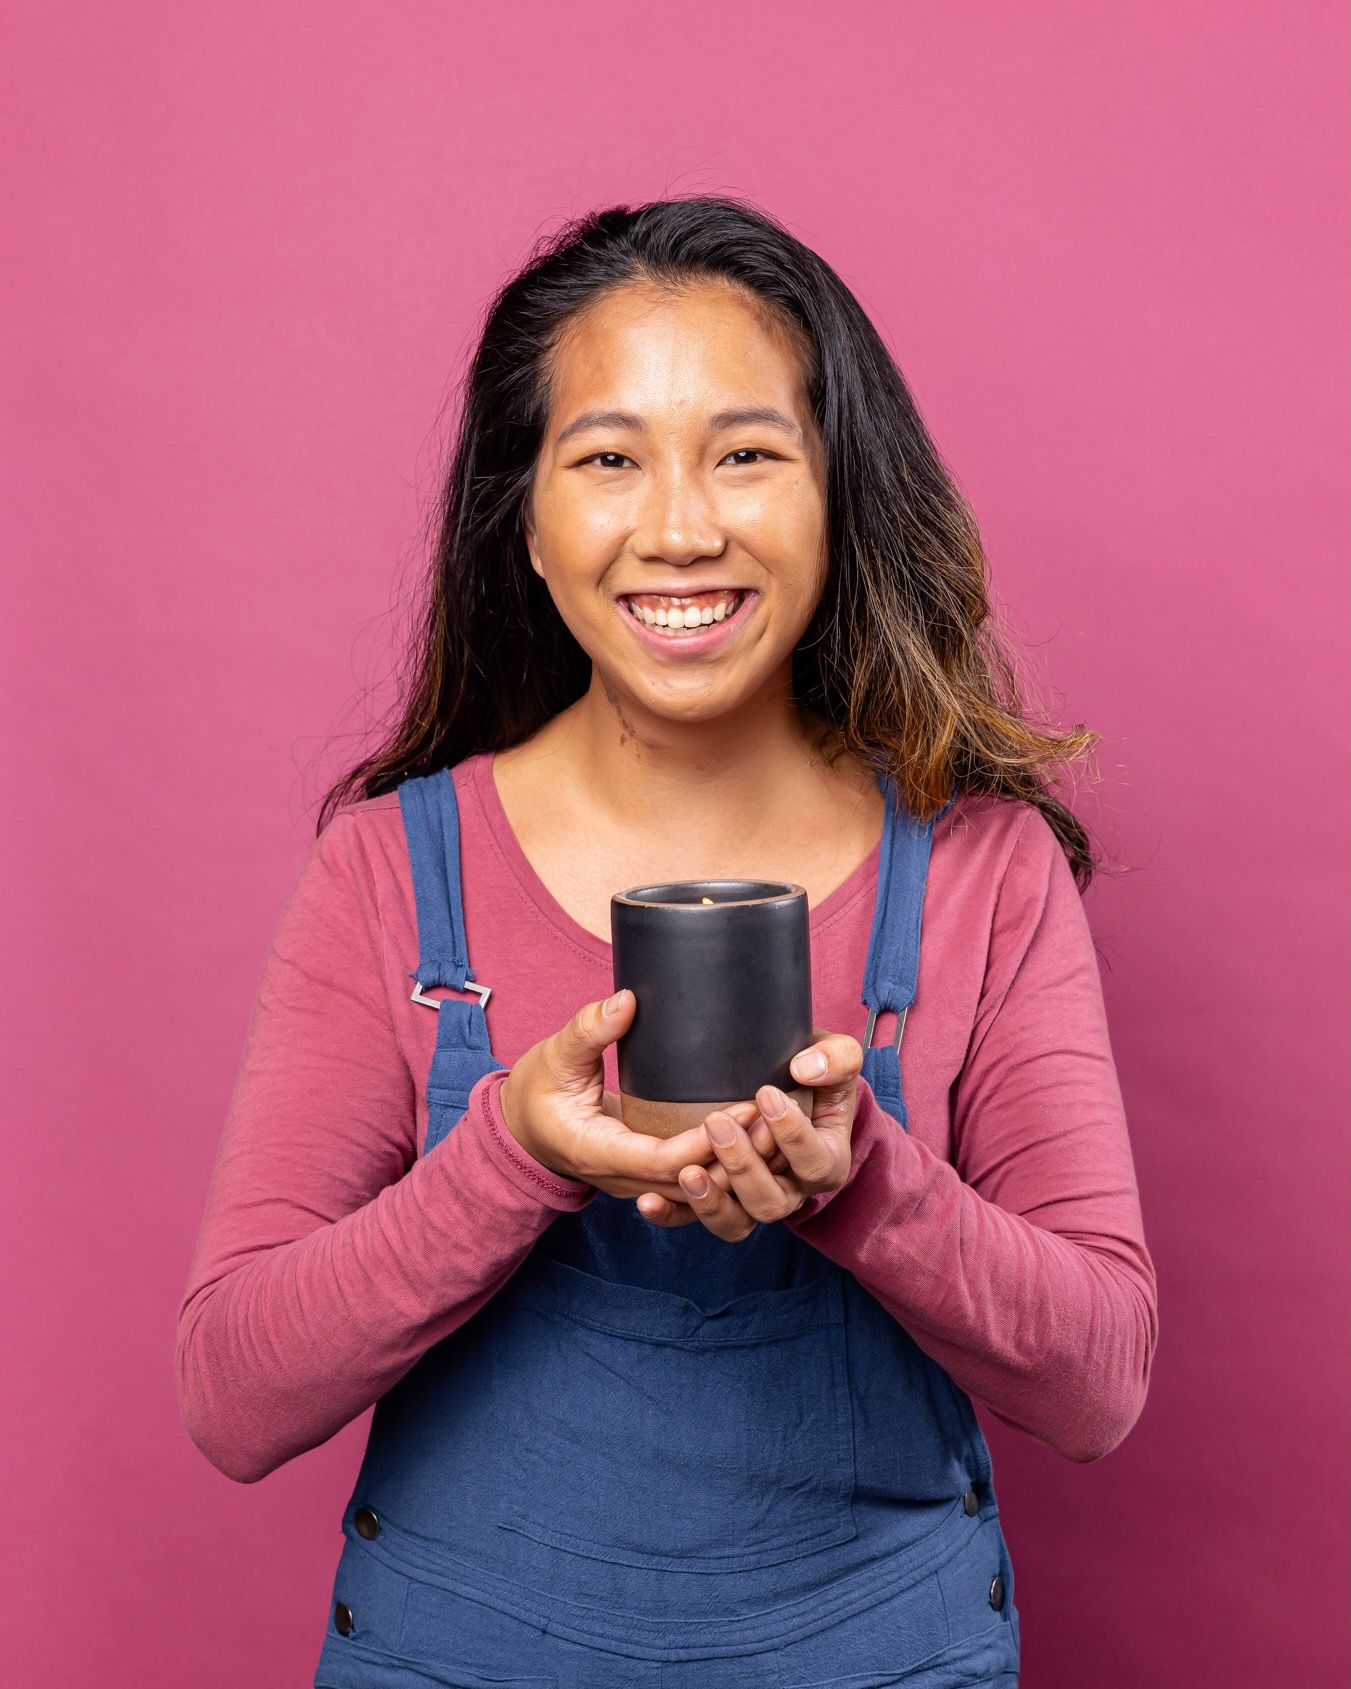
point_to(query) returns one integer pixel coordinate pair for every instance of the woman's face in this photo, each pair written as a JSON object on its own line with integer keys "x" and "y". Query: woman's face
{"x": 681, "y": 474}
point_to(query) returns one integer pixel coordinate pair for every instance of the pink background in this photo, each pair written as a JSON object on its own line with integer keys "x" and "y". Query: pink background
{"x": 246, "y": 250}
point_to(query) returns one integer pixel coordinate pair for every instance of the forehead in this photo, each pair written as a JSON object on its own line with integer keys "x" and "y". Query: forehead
{"x": 642, "y": 347}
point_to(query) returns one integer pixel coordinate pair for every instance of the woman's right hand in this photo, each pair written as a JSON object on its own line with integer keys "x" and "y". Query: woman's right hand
{"x": 556, "y": 1107}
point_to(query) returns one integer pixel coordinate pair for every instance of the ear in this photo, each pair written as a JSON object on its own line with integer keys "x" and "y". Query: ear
{"x": 528, "y": 527}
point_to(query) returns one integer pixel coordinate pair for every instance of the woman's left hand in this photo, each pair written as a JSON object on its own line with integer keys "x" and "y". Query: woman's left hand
{"x": 739, "y": 1189}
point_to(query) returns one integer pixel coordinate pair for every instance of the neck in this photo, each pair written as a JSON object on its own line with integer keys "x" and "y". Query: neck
{"x": 743, "y": 774}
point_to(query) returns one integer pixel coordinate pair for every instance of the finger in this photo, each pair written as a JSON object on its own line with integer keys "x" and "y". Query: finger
{"x": 833, "y": 1084}
{"x": 833, "y": 1058}
{"x": 812, "y": 1151}
{"x": 672, "y": 1191}
{"x": 720, "y": 1212}
{"x": 654, "y": 1161}
{"x": 647, "y": 1160}
{"x": 761, "y": 1193}
{"x": 766, "y": 1147}
{"x": 668, "y": 1206}
{"x": 642, "y": 1162}
{"x": 777, "y": 1163}
{"x": 743, "y": 1113}
{"x": 662, "y": 1212}
{"x": 574, "y": 1050}
{"x": 747, "y": 1114}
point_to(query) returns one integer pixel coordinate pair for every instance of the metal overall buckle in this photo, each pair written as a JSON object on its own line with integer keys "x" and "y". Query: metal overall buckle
{"x": 896, "y": 1037}
{"x": 420, "y": 996}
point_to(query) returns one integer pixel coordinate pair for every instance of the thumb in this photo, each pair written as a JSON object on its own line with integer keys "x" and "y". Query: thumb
{"x": 594, "y": 1027}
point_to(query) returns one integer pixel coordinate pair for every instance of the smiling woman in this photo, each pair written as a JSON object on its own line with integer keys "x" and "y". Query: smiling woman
{"x": 675, "y": 502}
{"x": 698, "y": 1410}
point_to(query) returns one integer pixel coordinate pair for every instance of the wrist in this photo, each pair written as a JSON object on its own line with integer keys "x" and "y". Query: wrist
{"x": 513, "y": 1118}
{"x": 561, "y": 1190}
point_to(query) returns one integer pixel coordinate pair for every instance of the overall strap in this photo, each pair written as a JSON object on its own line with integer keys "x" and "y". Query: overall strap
{"x": 463, "y": 1053}
{"x": 431, "y": 824}
{"x": 891, "y": 969}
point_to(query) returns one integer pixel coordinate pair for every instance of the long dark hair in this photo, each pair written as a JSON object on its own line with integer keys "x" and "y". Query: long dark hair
{"x": 899, "y": 666}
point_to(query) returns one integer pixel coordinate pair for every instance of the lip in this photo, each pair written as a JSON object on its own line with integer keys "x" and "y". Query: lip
{"x": 683, "y": 589}
{"x": 691, "y": 644}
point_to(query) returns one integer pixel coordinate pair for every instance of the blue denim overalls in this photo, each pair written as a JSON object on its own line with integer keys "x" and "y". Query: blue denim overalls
{"x": 658, "y": 1460}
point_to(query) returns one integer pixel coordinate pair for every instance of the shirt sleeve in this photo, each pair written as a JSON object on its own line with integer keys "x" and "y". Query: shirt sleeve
{"x": 331, "y": 1256}
{"x": 1021, "y": 1268}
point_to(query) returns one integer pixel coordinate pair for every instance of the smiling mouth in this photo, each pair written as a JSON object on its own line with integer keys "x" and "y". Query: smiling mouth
{"x": 672, "y": 627}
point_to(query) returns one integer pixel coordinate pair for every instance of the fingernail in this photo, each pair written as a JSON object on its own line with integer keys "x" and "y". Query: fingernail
{"x": 612, "y": 1005}
{"x": 697, "y": 1184}
{"x": 773, "y": 1102}
{"x": 809, "y": 1066}
{"x": 721, "y": 1130}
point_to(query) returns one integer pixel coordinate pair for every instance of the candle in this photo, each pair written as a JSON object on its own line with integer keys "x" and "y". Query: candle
{"x": 721, "y": 970}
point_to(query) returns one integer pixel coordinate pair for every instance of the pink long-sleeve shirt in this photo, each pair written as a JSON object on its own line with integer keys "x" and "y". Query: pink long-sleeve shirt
{"x": 1003, "y": 1230}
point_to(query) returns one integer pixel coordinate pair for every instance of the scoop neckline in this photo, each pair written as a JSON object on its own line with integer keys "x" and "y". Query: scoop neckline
{"x": 481, "y": 782}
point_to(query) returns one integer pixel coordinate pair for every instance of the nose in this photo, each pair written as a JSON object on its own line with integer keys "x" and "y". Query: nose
{"x": 678, "y": 522}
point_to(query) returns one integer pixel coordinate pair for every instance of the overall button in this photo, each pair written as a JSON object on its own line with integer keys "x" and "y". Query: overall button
{"x": 367, "y": 1522}
{"x": 997, "y": 1593}
{"x": 971, "y": 1502}
{"x": 343, "y": 1622}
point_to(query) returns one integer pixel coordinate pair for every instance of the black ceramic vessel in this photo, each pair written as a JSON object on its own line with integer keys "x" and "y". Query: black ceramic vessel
{"x": 721, "y": 970}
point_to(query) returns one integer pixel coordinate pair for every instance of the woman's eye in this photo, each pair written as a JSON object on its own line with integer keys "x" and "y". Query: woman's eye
{"x": 596, "y": 456}
{"x": 745, "y": 453}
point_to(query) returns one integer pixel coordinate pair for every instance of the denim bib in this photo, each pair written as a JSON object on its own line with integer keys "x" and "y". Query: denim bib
{"x": 653, "y": 1443}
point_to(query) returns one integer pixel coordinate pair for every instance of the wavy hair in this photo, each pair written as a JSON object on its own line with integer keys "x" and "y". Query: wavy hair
{"x": 900, "y": 664}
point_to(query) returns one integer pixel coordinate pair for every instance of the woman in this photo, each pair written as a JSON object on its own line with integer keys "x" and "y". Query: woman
{"x": 687, "y": 1412}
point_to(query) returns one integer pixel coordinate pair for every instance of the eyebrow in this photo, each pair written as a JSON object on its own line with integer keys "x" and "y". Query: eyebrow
{"x": 722, "y": 419}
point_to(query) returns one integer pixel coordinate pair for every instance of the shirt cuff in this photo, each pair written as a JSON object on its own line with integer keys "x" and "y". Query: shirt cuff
{"x": 528, "y": 1175}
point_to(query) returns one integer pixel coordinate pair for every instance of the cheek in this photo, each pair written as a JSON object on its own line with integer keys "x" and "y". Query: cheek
{"x": 790, "y": 542}
{"x": 788, "y": 514}
{"x": 574, "y": 526}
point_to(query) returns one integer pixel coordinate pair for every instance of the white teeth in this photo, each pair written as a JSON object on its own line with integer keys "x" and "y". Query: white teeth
{"x": 691, "y": 616}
